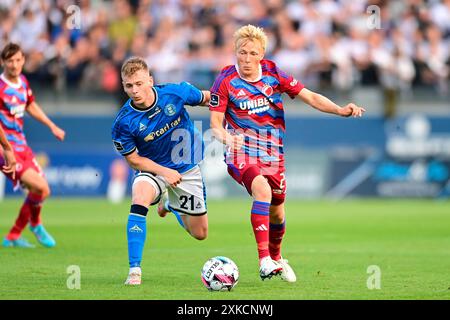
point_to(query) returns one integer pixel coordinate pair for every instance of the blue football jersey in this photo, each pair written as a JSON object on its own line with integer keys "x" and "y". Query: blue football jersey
{"x": 163, "y": 132}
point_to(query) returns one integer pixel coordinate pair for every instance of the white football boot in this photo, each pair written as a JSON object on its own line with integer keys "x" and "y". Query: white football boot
{"x": 268, "y": 268}
{"x": 287, "y": 274}
{"x": 134, "y": 277}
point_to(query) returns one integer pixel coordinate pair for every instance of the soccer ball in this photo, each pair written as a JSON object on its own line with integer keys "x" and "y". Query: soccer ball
{"x": 220, "y": 274}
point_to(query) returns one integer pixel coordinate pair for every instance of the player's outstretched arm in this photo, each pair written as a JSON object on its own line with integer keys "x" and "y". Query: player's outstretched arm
{"x": 324, "y": 104}
{"x": 137, "y": 162}
{"x": 36, "y": 112}
{"x": 8, "y": 154}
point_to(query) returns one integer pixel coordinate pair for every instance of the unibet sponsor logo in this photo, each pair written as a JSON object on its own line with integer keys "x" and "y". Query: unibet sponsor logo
{"x": 255, "y": 106}
{"x": 17, "y": 111}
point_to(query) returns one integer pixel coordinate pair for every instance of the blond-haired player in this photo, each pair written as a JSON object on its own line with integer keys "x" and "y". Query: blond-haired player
{"x": 246, "y": 97}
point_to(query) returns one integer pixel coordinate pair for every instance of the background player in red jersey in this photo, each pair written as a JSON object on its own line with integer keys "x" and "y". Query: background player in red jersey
{"x": 246, "y": 97}
{"x": 16, "y": 97}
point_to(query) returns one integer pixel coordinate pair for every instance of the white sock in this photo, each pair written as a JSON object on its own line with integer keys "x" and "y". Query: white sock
{"x": 263, "y": 260}
{"x": 135, "y": 270}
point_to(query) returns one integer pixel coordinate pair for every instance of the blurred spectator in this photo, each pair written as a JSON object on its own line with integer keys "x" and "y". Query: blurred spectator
{"x": 433, "y": 55}
{"x": 322, "y": 42}
{"x": 124, "y": 24}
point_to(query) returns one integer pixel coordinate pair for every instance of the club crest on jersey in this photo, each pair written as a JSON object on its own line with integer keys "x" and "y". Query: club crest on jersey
{"x": 170, "y": 110}
{"x": 267, "y": 90}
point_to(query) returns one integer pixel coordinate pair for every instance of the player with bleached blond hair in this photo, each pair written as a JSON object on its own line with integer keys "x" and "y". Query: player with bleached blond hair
{"x": 247, "y": 115}
{"x": 155, "y": 134}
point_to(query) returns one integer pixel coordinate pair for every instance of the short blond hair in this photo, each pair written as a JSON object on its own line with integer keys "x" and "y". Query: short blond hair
{"x": 250, "y": 33}
{"x": 132, "y": 65}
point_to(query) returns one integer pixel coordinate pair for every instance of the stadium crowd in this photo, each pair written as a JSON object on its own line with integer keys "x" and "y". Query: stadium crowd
{"x": 338, "y": 43}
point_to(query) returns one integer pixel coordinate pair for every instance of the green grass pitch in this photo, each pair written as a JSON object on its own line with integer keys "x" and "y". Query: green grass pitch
{"x": 329, "y": 244}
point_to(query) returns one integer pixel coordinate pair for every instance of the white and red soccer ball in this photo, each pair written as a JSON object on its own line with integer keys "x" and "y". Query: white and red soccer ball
{"x": 220, "y": 274}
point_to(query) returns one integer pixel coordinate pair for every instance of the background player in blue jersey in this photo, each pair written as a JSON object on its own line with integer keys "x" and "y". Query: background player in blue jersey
{"x": 154, "y": 133}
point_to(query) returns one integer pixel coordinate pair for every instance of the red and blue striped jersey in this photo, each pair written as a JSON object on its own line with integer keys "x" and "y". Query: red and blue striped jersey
{"x": 14, "y": 99}
{"x": 255, "y": 109}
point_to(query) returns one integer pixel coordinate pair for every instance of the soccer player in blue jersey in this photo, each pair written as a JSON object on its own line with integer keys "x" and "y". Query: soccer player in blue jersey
{"x": 154, "y": 133}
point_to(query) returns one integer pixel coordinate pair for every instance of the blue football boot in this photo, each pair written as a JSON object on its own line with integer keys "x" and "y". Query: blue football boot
{"x": 19, "y": 243}
{"x": 43, "y": 236}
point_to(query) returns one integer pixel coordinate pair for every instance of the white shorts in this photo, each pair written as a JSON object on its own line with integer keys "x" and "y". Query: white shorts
{"x": 188, "y": 197}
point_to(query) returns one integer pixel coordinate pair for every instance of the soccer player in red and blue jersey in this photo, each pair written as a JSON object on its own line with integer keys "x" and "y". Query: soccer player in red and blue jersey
{"x": 16, "y": 98}
{"x": 247, "y": 116}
